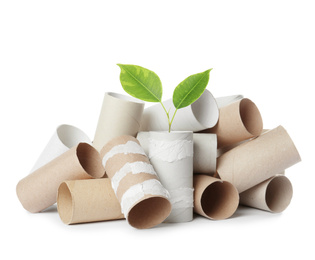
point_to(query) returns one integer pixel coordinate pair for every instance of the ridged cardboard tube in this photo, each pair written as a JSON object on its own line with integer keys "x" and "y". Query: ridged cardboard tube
{"x": 83, "y": 201}
{"x": 205, "y": 151}
{"x": 238, "y": 121}
{"x": 226, "y": 100}
{"x": 171, "y": 155}
{"x": 38, "y": 190}
{"x": 273, "y": 195}
{"x": 200, "y": 115}
{"x": 120, "y": 115}
{"x": 64, "y": 138}
{"x": 258, "y": 160}
{"x": 144, "y": 201}
{"x": 214, "y": 198}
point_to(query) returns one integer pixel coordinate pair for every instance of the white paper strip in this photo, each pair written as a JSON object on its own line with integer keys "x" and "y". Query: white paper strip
{"x": 200, "y": 115}
{"x": 134, "y": 168}
{"x": 129, "y": 147}
{"x": 138, "y": 191}
{"x": 64, "y": 138}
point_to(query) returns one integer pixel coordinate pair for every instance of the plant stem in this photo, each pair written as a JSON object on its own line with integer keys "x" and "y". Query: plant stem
{"x": 170, "y": 123}
{"x": 168, "y": 117}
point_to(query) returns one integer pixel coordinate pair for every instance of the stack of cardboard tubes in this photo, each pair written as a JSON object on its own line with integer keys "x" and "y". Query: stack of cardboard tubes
{"x": 217, "y": 156}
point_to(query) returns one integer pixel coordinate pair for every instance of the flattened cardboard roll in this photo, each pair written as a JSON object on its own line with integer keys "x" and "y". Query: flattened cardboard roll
{"x": 38, "y": 190}
{"x": 171, "y": 155}
{"x": 238, "y": 121}
{"x": 200, "y": 115}
{"x": 227, "y": 100}
{"x": 204, "y": 150}
{"x": 144, "y": 201}
{"x": 83, "y": 201}
{"x": 120, "y": 115}
{"x": 257, "y": 160}
{"x": 214, "y": 198}
{"x": 64, "y": 138}
{"x": 272, "y": 195}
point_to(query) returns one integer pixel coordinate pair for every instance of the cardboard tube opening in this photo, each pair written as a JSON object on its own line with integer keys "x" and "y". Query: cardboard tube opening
{"x": 202, "y": 107}
{"x": 149, "y": 212}
{"x": 219, "y": 200}
{"x": 279, "y": 194}
{"x": 69, "y": 135}
{"x": 90, "y": 160}
{"x": 251, "y": 117}
{"x": 65, "y": 207}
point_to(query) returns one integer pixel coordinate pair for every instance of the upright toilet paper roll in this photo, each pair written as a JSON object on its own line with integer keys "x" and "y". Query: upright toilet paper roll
{"x": 144, "y": 201}
{"x": 273, "y": 195}
{"x": 120, "y": 115}
{"x": 214, "y": 198}
{"x": 64, "y": 138}
{"x": 257, "y": 160}
{"x": 38, "y": 190}
{"x": 237, "y": 122}
{"x": 200, "y": 115}
{"x": 82, "y": 201}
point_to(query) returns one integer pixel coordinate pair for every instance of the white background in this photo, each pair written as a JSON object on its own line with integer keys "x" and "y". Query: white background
{"x": 58, "y": 58}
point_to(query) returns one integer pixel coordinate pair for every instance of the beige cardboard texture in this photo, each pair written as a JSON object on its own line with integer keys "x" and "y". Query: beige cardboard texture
{"x": 213, "y": 198}
{"x": 144, "y": 201}
{"x": 205, "y": 153}
{"x": 83, "y": 201}
{"x": 120, "y": 115}
{"x": 38, "y": 190}
{"x": 64, "y": 138}
{"x": 272, "y": 195}
{"x": 238, "y": 121}
{"x": 259, "y": 159}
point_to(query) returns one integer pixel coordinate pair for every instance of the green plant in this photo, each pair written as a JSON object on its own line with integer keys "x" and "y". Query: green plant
{"x": 144, "y": 84}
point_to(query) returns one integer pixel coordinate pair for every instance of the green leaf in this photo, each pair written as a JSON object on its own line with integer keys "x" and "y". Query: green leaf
{"x": 141, "y": 83}
{"x": 190, "y": 89}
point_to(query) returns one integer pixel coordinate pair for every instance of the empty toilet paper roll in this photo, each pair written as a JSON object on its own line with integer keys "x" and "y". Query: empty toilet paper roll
{"x": 144, "y": 201}
{"x": 38, "y": 190}
{"x": 64, "y": 138}
{"x": 238, "y": 121}
{"x": 272, "y": 195}
{"x": 120, "y": 115}
{"x": 171, "y": 155}
{"x": 257, "y": 160}
{"x": 214, "y": 198}
{"x": 200, "y": 115}
{"x": 204, "y": 151}
{"x": 82, "y": 201}
{"x": 226, "y": 100}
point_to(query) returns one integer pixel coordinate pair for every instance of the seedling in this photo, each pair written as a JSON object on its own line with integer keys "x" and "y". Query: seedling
{"x": 144, "y": 84}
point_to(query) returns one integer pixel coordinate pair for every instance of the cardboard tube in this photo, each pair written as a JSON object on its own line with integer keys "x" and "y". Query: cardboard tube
{"x": 273, "y": 195}
{"x": 205, "y": 151}
{"x": 257, "y": 160}
{"x": 64, "y": 138}
{"x": 200, "y": 115}
{"x": 120, "y": 115}
{"x": 214, "y": 198}
{"x": 238, "y": 121}
{"x": 144, "y": 201}
{"x": 171, "y": 155}
{"x": 38, "y": 190}
{"x": 226, "y": 100}
{"x": 82, "y": 201}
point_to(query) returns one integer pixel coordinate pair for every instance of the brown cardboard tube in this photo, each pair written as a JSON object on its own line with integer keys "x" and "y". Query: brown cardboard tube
{"x": 258, "y": 160}
{"x": 272, "y": 195}
{"x": 38, "y": 190}
{"x": 144, "y": 201}
{"x": 238, "y": 121}
{"x": 214, "y": 198}
{"x": 83, "y": 201}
